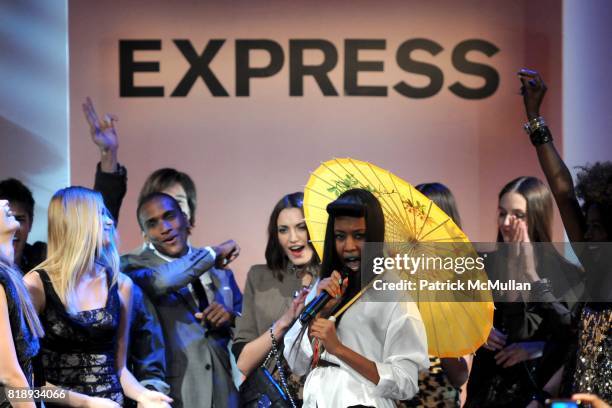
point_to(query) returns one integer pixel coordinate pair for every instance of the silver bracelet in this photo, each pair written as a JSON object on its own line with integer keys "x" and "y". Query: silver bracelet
{"x": 534, "y": 124}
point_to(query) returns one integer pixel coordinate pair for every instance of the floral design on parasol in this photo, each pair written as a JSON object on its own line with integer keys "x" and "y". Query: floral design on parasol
{"x": 457, "y": 323}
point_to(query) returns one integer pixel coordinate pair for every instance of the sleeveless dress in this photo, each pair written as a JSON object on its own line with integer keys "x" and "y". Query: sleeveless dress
{"x": 588, "y": 367}
{"x": 26, "y": 344}
{"x": 593, "y": 371}
{"x": 78, "y": 351}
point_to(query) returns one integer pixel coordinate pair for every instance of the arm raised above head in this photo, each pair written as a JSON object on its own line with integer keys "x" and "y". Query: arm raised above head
{"x": 557, "y": 174}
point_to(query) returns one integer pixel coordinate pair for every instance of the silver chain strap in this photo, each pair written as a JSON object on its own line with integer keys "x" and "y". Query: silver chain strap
{"x": 281, "y": 372}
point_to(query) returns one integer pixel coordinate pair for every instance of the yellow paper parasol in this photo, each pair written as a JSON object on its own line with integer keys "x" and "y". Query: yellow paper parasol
{"x": 413, "y": 225}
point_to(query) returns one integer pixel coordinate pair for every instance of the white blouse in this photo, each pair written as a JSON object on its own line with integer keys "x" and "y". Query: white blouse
{"x": 391, "y": 334}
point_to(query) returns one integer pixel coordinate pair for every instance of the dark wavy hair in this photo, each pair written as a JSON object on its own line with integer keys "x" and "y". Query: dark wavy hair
{"x": 539, "y": 207}
{"x": 594, "y": 187}
{"x": 15, "y": 191}
{"x": 165, "y": 178}
{"x": 276, "y": 259}
{"x": 354, "y": 203}
{"x": 443, "y": 198}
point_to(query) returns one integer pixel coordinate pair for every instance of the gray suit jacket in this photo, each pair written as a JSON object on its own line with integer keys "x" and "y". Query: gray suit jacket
{"x": 198, "y": 365}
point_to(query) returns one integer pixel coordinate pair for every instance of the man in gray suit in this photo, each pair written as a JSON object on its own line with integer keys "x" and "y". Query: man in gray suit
{"x": 196, "y": 303}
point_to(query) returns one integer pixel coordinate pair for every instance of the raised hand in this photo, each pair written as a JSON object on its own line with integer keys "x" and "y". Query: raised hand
{"x": 104, "y": 135}
{"x": 297, "y": 305}
{"x": 226, "y": 253}
{"x": 335, "y": 286}
{"x": 103, "y": 132}
{"x": 533, "y": 90}
{"x": 522, "y": 257}
{"x": 527, "y": 262}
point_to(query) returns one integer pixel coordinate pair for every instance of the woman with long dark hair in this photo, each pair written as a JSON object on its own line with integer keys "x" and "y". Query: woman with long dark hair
{"x": 19, "y": 323}
{"x": 530, "y": 330}
{"x": 370, "y": 355}
{"x": 273, "y": 294}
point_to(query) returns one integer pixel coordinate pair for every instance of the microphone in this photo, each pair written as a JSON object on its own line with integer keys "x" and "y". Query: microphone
{"x": 314, "y": 307}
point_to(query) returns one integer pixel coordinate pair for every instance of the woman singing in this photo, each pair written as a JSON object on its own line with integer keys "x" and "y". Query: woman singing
{"x": 371, "y": 355}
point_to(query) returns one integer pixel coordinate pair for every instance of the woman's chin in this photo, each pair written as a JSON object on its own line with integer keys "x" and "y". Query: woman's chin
{"x": 300, "y": 260}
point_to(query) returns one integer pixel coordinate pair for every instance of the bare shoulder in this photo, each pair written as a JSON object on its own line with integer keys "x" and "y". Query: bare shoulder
{"x": 125, "y": 284}
{"x": 3, "y": 300}
{"x": 35, "y": 287}
{"x": 32, "y": 280}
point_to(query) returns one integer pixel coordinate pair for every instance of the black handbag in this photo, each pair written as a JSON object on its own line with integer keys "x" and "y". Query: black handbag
{"x": 260, "y": 389}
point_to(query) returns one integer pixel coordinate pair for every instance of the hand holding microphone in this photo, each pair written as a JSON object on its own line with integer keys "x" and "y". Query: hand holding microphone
{"x": 329, "y": 293}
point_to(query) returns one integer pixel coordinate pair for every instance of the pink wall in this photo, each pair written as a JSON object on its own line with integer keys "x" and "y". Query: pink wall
{"x": 244, "y": 153}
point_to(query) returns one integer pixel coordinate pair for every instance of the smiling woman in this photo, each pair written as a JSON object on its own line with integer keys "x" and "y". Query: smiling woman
{"x": 18, "y": 321}
{"x": 293, "y": 236}
{"x": 21, "y": 203}
{"x": 270, "y": 294}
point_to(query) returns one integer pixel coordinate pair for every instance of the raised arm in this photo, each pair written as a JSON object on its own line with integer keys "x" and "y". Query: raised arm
{"x": 111, "y": 177}
{"x": 557, "y": 173}
{"x": 252, "y": 346}
{"x": 172, "y": 276}
{"x": 103, "y": 135}
{"x": 168, "y": 277}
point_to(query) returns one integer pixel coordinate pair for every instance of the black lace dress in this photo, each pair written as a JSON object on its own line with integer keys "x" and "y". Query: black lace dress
{"x": 78, "y": 351}
{"x": 26, "y": 344}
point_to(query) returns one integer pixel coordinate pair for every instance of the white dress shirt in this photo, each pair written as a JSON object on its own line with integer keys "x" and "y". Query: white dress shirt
{"x": 391, "y": 334}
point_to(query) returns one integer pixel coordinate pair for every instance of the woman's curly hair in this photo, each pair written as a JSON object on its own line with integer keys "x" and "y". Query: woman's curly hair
{"x": 594, "y": 187}
{"x": 594, "y": 183}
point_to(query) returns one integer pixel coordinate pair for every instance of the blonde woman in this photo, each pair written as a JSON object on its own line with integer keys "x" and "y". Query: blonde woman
{"x": 84, "y": 305}
{"x": 19, "y": 324}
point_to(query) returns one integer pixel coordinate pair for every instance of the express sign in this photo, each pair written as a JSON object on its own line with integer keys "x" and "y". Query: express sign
{"x": 199, "y": 67}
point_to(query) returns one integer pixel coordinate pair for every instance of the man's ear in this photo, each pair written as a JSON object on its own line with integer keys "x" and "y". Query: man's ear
{"x": 144, "y": 238}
